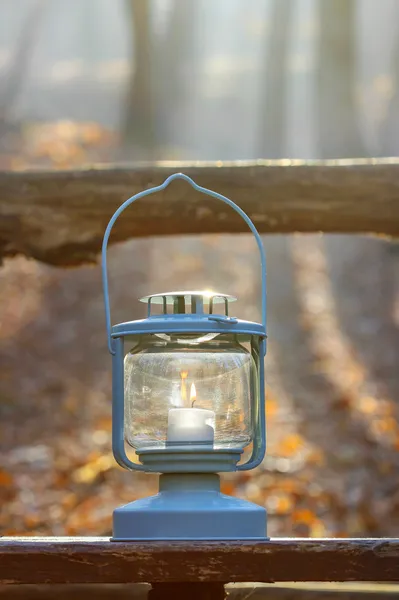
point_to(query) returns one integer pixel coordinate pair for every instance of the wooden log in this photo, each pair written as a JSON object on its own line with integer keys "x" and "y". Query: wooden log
{"x": 59, "y": 217}
{"x": 98, "y": 560}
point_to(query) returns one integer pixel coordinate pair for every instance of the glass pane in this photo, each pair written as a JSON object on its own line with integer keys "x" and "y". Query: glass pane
{"x": 189, "y": 390}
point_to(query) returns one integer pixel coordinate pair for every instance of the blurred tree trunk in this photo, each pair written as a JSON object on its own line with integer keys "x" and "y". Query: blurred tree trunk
{"x": 390, "y": 125}
{"x": 272, "y": 121}
{"x": 336, "y": 117}
{"x": 139, "y": 123}
{"x": 175, "y": 66}
{"x": 20, "y": 60}
{"x": 162, "y": 72}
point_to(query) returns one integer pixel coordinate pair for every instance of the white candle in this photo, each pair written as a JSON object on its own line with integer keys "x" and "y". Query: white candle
{"x": 191, "y": 425}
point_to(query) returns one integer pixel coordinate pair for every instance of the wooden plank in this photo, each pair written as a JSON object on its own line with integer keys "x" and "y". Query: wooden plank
{"x": 99, "y": 591}
{"x": 59, "y": 217}
{"x": 183, "y": 591}
{"x": 139, "y": 591}
{"x": 98, "y": 560}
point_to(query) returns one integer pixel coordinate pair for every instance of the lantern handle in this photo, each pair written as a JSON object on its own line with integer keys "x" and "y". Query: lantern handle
{"x": 159, "y": 188}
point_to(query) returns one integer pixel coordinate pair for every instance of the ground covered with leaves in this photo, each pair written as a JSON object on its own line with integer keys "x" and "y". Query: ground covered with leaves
{"x": 332, "y": 463}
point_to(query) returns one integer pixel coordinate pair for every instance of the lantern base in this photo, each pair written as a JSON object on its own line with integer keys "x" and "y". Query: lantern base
{"x": 189, "y": 507}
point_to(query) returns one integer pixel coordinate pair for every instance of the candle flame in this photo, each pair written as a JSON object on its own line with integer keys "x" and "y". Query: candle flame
{"x": 193, "y": 394}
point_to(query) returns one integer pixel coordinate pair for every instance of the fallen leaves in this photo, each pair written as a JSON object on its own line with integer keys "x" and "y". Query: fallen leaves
{"x": 279, "y": 504}
{"x": 93, "y": 468}
{"x": 6, "y": 479}
{"x": 291, "y": 445}
{"x": 61, "y": 144}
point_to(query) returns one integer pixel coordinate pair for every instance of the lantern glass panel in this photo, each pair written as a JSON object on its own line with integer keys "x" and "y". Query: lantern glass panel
{"x": 189, "y": 389}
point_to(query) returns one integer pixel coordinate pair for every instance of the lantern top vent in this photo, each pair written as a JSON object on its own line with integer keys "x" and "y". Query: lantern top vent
{"x": 196, "y": 300}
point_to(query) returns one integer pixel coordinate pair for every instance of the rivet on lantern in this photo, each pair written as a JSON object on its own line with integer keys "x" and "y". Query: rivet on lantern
{"x": 188, "y": 398}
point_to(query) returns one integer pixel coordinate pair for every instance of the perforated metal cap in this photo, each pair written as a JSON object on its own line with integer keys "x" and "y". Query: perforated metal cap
{"x": 195, "y": 299}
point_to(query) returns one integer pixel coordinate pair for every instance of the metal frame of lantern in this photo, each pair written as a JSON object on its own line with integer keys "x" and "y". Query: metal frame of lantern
{"x": 189, "y": 504}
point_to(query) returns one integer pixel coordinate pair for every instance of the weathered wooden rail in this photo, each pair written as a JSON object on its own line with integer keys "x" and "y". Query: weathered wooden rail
{"x": 249, "y": 591}
{"x": 200, "y": 568}
{"x": 59, "y": 217}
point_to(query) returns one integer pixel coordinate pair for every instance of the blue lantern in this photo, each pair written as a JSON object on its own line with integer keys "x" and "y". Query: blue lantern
{"x": 188, "y": 398}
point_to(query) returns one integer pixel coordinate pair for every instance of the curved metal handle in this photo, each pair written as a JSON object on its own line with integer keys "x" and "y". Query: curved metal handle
{"x": 159, "y": 188}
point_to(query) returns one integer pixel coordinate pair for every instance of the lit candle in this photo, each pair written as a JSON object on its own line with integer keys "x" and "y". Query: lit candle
{"x": 191, "y": 424}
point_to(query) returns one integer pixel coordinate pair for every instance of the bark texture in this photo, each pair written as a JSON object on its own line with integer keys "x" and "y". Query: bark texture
{"x": 59, "y": 217}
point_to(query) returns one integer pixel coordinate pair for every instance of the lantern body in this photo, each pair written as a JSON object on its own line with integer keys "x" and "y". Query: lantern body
{"x": 188, "y": 399}
{"x": 183, "y": 389}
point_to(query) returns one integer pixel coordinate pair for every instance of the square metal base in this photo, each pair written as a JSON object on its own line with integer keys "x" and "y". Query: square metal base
{"x": 189, "y": 507}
